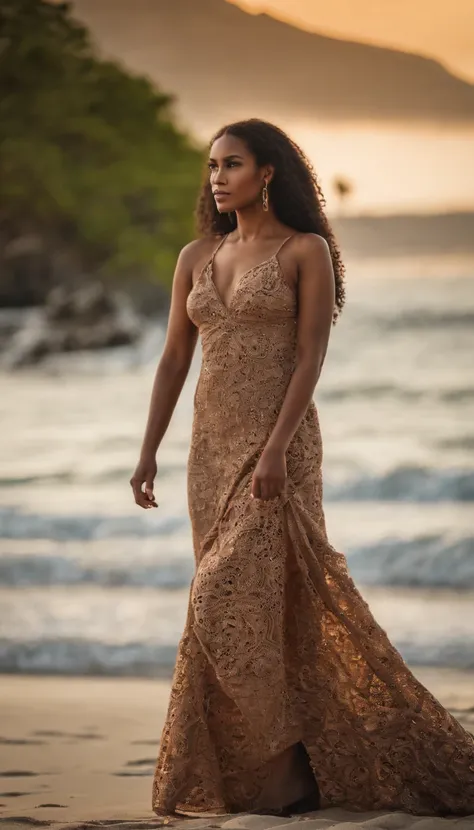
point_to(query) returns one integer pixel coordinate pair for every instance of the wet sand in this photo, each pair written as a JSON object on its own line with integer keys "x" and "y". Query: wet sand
{"x": 80, "y": 753}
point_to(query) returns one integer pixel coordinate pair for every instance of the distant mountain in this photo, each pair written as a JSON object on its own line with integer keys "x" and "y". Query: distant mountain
{"x": 405, "y": 235}
{"x": 223, "y": 63}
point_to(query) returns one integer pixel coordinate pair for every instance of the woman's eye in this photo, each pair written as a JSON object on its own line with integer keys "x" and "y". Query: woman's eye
{"x": 212, "y": 166}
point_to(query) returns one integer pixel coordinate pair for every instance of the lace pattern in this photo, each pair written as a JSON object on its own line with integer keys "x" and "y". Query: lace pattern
{"x": 279, "y": 645}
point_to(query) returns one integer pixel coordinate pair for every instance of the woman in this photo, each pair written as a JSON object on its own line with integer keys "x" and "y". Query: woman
{"x": 287, "y": 695}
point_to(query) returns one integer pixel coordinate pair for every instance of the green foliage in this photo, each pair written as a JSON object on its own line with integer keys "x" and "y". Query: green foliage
{"x": 90, "y": 159}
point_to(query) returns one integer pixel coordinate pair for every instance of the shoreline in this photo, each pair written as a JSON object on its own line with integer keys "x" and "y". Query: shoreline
{"x": 79, "y": 752}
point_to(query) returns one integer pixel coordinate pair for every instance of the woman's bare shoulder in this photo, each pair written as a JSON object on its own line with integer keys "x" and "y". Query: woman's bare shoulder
{"x": 311, "y": 244}
{"x": 302, "y": 251}
{"x": 196, "y": 252}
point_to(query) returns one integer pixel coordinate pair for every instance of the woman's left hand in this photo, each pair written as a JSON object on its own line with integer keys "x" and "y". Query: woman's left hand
{"x": 269, "y": 477}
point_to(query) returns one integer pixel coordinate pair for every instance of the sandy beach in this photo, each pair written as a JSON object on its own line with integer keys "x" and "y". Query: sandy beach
{"x": 80, "y": 752}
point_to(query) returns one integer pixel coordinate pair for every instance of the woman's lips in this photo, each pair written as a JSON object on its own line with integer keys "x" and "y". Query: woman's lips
{"x": 219, "y": 197}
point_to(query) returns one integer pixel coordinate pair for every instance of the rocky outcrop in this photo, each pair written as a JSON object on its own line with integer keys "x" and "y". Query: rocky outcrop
{"x": 89, "y": 317}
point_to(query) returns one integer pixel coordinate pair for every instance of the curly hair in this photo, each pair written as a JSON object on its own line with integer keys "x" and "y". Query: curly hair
{"x": 294, "y": 191}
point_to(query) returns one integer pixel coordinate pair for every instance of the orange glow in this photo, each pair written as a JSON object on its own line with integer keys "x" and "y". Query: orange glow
{"x": 428, "y": 27}
{"x": 393, "y": 167}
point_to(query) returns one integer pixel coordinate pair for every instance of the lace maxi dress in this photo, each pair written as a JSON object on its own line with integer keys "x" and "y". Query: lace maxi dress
{"x": 279, "y": 646}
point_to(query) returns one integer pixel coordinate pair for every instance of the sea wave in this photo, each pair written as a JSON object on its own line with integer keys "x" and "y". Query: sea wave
{"x": 402, "y": 484}
{"x": 426, "y": 561}
{"x": 90, "y": 657}
{"x": 15, "y": 524}
{"x": 369, "y": 391}
{"x": 40, "y": 570}
{"x": 421, "y": 319}
{"x": 87, "y": 657}
{"x": 457, "y": 395}
{"x": 407, "y": 484}
{"x": 434, "y": 561}
{"x": 380, "y": 391}
{"x": 457, "y": 442}
{"x": 109, "y": 473}
{"x": 456, "y": 654}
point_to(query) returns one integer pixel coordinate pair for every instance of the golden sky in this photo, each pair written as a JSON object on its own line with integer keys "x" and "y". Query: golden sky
{"x": 391, "y": 167}
{"x": 443, "y": 30}
{"x": 394, "y": 167}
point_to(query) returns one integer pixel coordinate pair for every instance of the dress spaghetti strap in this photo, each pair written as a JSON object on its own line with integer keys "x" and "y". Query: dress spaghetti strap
{"x": 221, "y": 242}
{"x": 283, "y": 243}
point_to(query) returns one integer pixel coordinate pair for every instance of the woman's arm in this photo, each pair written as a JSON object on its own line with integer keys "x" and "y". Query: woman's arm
{"x": 171, "y": 373}
{"x": 316, "y": 300}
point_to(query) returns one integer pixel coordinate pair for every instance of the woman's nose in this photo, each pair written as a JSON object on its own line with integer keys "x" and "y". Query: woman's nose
{"x": 219, "y": 177}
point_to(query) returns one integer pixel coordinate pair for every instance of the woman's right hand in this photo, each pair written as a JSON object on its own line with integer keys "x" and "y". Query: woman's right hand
{"x": 145, "y": 473}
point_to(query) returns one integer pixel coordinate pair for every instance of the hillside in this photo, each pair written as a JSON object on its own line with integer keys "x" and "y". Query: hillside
{"x": 223, "y": 63}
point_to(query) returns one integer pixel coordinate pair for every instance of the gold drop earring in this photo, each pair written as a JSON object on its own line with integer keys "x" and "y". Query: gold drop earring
{"x": 265, "y": 196}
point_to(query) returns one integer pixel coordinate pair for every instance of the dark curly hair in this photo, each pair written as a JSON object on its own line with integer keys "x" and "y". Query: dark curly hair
{"x": 294, "y": 191}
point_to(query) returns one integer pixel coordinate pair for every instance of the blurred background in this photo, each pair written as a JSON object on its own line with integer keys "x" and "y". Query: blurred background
{"x": 106, "y": 108}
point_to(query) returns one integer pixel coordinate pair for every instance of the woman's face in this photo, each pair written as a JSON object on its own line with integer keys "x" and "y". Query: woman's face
{"x": 235, "y": 179}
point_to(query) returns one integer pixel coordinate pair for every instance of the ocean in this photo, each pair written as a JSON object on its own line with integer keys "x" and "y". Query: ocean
{"x": 92, "y": 585}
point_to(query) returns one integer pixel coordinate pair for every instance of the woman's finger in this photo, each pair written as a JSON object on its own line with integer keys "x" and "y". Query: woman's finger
{"x": 149, "y": 490}
{"x": 138, "y": 493}
{"x": 255, "y": 489}
{"x": 275, "y": 489}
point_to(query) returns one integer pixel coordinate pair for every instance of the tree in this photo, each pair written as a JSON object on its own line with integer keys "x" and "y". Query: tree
{"x": 91, "y": 165}
{"x": 343, "y": 188}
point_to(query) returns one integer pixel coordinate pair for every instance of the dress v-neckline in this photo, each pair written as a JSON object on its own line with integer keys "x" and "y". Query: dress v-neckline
{"x": 210, "y": 271}
{"x": 238, "y": 282}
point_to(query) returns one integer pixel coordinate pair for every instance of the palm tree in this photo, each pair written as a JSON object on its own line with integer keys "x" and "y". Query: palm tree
{"x": 343, "y": 188}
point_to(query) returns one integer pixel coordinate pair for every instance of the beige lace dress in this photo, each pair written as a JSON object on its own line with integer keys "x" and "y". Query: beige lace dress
{"x": 279, "y": 647}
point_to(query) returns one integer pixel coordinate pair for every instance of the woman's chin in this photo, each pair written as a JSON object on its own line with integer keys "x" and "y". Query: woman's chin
{"x": 224, "y": 207}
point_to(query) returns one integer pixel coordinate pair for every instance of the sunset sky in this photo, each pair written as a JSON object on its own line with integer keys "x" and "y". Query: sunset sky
{"x": 430, "y": 27}
{"x": 396, "y": 167}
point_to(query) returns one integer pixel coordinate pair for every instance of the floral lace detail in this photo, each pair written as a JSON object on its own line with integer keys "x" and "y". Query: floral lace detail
{"x": 279, "y": 646}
